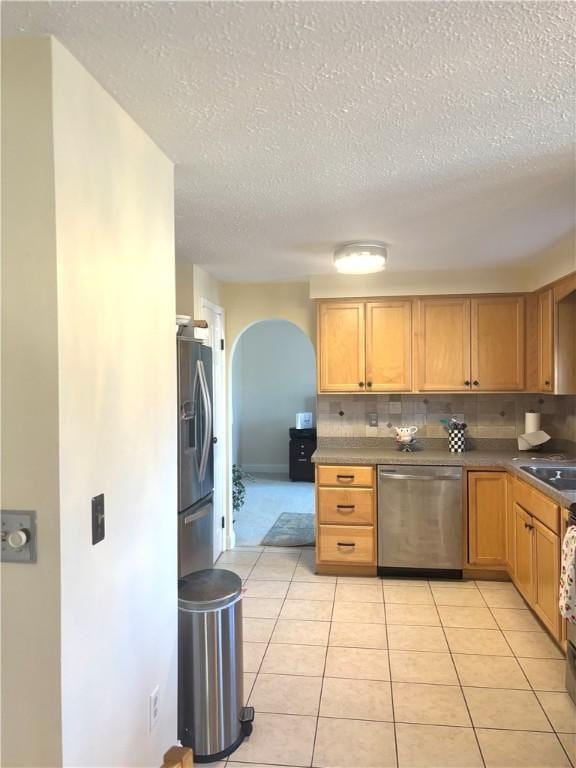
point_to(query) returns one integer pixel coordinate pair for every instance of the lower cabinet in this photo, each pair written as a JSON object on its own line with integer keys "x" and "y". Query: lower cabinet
{"x": 510, "y": 528}
{"x": 546, "y": 576}
{"x": 346, "y": 519}
{"x": 537, "y": 566}
{"x": 346, "y": 544}
{"x": 487, "y": 505}
{"x": 524, "y": 554}
{"x": 515, "y": 528}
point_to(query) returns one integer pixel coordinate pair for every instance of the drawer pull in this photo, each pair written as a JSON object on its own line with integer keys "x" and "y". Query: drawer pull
{"x": 345, "y": 477}
{"x": 345, "y": 544}
{"x": 345, "y": 506}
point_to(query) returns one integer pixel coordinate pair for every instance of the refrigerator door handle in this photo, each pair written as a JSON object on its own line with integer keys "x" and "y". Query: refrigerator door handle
{"x": 195, "y": 416}
{"x": 208, "y": 420}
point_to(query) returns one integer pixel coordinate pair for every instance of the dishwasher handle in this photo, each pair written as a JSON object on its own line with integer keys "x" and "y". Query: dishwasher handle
{"x": 395, "y": 476}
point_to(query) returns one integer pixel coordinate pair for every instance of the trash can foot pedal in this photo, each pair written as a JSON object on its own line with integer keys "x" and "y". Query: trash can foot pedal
{"x": 246, "y": 720}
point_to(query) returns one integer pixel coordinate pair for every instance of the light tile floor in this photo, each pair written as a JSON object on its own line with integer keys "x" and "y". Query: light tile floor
{"x": 367, "y": 673}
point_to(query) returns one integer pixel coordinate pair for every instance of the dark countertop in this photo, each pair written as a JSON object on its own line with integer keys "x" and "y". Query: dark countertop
{"x": 356, "y": 452}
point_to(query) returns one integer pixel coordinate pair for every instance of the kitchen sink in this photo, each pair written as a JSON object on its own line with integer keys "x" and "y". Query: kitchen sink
{"x": 561, "y": 478}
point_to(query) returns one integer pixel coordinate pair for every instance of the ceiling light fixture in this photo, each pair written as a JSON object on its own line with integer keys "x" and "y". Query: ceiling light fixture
{"x": 360, "y": 258}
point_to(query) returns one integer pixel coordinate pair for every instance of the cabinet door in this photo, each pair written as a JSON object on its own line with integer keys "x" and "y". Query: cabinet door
{"x": 487, "y": 494}
{"x": 510, "y": 527}
{"x": 497, "y": 343}
{"x": 524, "y": 566}
{"x": 443, "y": 344}
{"x": 545, "y": 341}
{"x": 341, "y": 340}
{"x": 546, "y": 576}
{"x": 388, "y": 346}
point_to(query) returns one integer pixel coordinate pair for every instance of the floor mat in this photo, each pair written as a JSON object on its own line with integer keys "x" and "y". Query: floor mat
{"x": 291, "y": 530}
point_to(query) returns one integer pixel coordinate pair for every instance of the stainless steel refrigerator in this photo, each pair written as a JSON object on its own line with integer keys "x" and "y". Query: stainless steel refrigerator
{"x": 195, "y": 456}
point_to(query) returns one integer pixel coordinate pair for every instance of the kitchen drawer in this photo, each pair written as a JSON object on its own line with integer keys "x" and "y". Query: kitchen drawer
{"x": 546, "y": 511}
{"x": 537, "y": 504}
{"x": 346, "y": 544}
{"x": 523, "y": 494}
{"x": 345, "y": 476}
{"x": 342, "y": 506}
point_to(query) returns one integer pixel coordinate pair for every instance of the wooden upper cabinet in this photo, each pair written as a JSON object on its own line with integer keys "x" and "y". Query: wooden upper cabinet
{"x": 443, "y": 344}
{"x": 388, "y": 346}
{"x": 487, "y": 502}
{"x": 545, "y": 341}
{"x": 341, "y": 347}
{"x": 497, "y": 343}
{"x": 565, "y": 341}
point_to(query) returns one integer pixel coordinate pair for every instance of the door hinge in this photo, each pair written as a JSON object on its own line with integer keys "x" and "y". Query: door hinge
{"x": 223, "y": 522}
{"x": 222, "y": 344}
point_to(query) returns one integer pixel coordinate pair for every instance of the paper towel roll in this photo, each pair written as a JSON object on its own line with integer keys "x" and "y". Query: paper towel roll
{"x": 531, "y": 422}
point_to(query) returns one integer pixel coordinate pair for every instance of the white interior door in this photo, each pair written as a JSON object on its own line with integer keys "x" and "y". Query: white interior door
{"x": 214, "y": 316}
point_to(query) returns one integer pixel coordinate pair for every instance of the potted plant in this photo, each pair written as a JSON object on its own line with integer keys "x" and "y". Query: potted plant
{"x": 238, "y": 488}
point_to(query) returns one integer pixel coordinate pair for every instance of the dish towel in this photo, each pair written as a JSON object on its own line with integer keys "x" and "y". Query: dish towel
{"x": 568, "y": 576}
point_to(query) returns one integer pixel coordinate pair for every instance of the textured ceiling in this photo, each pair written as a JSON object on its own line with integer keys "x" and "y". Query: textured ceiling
{"x": 443, "y": 128}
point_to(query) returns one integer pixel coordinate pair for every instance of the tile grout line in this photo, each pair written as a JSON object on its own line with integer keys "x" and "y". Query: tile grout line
{"x": 461, "y": 687}
{"x": 290, "y": 581}
{"x": 532, "y": 689}
{"x": 514, "y": 655}
{"x": 396, "y": 751}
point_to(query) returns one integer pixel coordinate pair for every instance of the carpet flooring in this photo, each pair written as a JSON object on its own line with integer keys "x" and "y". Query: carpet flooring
{"x": 268, "y": 497}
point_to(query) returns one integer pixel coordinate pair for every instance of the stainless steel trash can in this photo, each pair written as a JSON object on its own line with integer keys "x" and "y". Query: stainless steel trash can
{"x": 212, "y": 718}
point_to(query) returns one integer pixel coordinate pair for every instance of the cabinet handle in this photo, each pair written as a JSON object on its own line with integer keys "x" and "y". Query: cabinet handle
{"x": 368, "y": 383}
{"x": 360, "y": 383}
{"x": 345, "y": 544}
{"x": 344, "y": 477}
{"x": 527, "y": 525}
{"x": 547, "y": 383}
{"x": 476, "y": 383}
{"x": 345, "y": 506}
{"x": 467, "y": 383}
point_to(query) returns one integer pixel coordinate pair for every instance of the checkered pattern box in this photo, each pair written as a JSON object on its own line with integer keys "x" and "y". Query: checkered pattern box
{"x": 457, "y": 441}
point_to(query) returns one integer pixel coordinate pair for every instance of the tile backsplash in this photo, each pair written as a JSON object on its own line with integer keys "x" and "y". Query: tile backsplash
{"x": 487, "y": 415}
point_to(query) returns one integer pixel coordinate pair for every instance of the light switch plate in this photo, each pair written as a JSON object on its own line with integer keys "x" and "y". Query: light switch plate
{"x": 98, "y": 520}
{"x": 18, "y": 520}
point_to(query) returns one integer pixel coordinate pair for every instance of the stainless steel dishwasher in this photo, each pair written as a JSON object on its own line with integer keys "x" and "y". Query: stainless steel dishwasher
{"x": 420, "y": 520}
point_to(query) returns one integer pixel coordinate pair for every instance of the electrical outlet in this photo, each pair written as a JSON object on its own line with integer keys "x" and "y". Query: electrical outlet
{"x": 154, "y": 705}
{"x": 372, "y": 419}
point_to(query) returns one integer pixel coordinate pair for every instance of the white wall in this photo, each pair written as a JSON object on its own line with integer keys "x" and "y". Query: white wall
{"x": 31, "y": 724}
{"x": 553, "y": 262}
{"x": 236, "y": 377}
{"x": 185, "y": 288}
{"x": 276, "y": 378}
{"x": 115, "y": 241}
{"x": 247, "y": 303}
{"x": 192, "y": 285}
{"x": 103, "y": 333}
{"x": 418, "y": 283}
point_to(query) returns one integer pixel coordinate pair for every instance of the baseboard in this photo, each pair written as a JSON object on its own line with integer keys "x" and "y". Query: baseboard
{"x": 269, "y": 469}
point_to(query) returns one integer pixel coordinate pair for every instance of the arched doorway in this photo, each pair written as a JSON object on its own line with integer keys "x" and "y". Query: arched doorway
{"x": 272, "y": 377}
